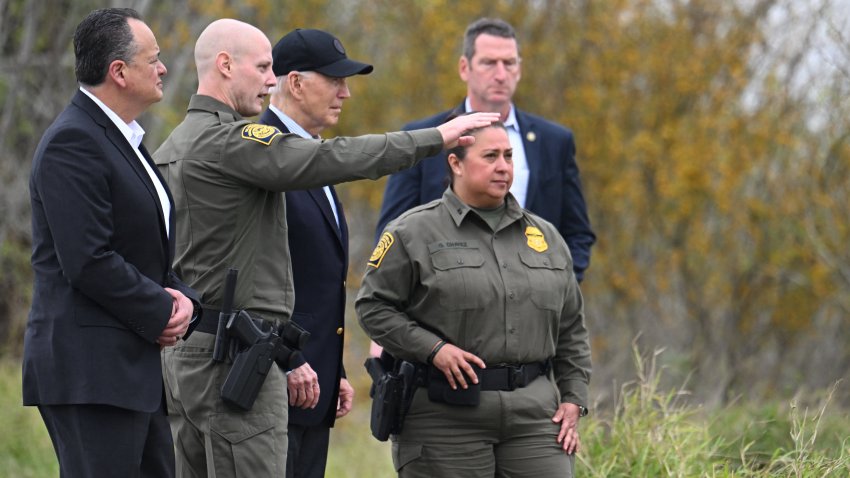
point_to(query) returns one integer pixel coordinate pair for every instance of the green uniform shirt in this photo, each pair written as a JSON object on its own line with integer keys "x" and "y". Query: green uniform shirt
{"x": 507, "y": 296}
{"x": 227, "y": 175}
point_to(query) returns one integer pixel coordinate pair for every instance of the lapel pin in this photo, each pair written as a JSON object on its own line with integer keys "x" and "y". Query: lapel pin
{"x": 531, "y": 136}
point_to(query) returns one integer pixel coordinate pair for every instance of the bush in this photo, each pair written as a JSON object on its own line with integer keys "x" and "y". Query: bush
{"x": 651, "y": 432}
{"x": 648, "y": 433}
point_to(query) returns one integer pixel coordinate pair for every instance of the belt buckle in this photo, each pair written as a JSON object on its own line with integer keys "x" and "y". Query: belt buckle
{"x": 515, "y": 377}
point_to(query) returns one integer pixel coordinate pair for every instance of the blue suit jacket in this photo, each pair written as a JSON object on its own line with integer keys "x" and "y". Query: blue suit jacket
{"x": 319, "y": 252}
{"x": 101, "y": 258}
{"x": 554, "y": 188}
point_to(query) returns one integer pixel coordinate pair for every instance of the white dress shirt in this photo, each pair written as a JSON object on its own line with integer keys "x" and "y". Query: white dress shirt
{"x": 295, "y": 128}
{"x": 134, "y": 134}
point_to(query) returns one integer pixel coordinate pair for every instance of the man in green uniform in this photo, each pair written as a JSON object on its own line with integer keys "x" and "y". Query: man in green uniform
{"x": 227, "y": 176}
{"x": 454, "y": 284}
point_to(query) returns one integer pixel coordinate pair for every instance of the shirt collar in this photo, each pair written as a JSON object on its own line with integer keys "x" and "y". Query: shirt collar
{"x": 290, "y": 123}
{"x": 206, "y": 103}
{"x": 511, "y": 122}
{"x": 458, "y": 209}
{"x": 133, "y": 132}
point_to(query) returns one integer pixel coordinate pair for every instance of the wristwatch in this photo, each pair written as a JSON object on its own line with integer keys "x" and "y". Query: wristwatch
{"x": 582, "y": 411}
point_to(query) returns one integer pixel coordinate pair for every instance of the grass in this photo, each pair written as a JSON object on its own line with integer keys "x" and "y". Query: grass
{"x": 25, "y": 448}
{"x": 649, "y": 432}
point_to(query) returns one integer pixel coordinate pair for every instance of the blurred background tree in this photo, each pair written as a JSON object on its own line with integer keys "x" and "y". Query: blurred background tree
{"x": 713, "y": 139}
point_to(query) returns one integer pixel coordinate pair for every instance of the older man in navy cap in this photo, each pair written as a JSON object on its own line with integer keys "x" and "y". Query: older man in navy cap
{"x": 311, "y": 67}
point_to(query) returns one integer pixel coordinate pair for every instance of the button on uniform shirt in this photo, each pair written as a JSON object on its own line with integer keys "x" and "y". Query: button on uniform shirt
{"x": 506, "y": 295}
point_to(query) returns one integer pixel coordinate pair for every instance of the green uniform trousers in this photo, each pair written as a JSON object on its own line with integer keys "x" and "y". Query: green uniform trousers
{"x": 509, "y": 434}
{"x": 214, "y": 440}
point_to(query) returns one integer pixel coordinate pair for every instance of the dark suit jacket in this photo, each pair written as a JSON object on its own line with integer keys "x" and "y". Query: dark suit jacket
{"x": 319, "y": 251}
{"x": 101, "y": 258}
{"x": 554, "y": 188}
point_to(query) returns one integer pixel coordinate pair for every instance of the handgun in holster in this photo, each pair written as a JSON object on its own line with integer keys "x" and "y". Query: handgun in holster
{"x": 261, "y": 346}
{"x": 393, "y": 386}
{"x": 221, "y": 349}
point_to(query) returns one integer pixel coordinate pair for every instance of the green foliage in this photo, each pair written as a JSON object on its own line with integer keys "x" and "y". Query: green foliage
{"x": 718, "y": 187}
{"x": 648, "y": 432}
{"x": 15, "y": 295}
{"x": 651, "y": 432}
{"x": 801, "y": 438}
{"x": 354, "y": 453}
{"x": 25, "y": 448}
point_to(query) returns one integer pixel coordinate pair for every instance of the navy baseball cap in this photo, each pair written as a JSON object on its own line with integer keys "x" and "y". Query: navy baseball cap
{"x": 314, "y": 50}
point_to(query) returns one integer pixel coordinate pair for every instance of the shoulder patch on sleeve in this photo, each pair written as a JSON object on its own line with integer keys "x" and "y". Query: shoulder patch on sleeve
{"x": 381, "y": 249}
{"x": 260, "y": 133}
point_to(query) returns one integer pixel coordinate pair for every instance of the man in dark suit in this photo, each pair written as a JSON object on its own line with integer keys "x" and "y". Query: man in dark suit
{"x": 105, "y": 300}
{"x": 546, "y": 177}
{"x": 311, "y": 69}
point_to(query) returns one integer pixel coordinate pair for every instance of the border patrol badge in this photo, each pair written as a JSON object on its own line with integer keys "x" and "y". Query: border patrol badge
{"x": 536, "y": 240}
{"x": 381, "y": 250}
{"x": 260, "y": 133}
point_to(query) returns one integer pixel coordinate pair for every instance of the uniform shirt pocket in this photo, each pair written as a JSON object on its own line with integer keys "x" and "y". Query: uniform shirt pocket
{"x": 460, "y": 277}
{"x": 547, "y": 278}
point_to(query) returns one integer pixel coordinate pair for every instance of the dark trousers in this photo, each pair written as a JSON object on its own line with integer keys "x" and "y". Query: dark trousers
{"x": 95, "y": 441}
{"x": 308, "y": 451}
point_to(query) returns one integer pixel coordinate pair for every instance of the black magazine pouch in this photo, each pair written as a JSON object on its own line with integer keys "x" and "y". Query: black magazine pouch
{"x": 439, "y": 390}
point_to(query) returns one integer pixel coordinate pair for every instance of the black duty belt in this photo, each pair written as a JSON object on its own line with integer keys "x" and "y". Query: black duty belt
{"x": 209, "y": 321}
{"x": 502, "y": 377}
{"x": 508, "y": 377}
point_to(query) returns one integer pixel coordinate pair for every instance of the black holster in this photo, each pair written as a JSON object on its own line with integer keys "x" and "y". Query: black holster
{"x": 247, "y": 375}
{"x": 393, "y": 385}
{"x": 261, "y": 346}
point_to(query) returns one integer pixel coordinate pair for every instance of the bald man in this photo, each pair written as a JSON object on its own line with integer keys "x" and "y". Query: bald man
{"x": 228, "y": 176}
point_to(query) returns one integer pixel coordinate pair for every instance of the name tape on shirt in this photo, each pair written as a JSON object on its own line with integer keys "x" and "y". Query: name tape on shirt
{"x": 536, "y": 240}
{"x": 260, "y": 133}
{"x": 381, "y": 249}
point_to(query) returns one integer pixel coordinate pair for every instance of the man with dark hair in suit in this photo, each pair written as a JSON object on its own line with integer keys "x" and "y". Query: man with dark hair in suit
{"x": 311, "y": 67}
{"x": 546, "y": 177}
{"x": 105, "y": 300}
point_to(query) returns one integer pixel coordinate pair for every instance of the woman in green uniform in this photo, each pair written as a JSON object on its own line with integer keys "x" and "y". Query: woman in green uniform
{"x": 481, "y": 295}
